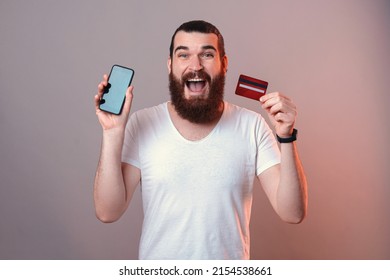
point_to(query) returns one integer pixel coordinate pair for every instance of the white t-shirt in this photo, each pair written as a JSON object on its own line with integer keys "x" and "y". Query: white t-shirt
{"x": 197, "y": 195}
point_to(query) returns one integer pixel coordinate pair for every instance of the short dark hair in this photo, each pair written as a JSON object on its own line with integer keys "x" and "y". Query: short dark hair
{"x": 200, "y": 26}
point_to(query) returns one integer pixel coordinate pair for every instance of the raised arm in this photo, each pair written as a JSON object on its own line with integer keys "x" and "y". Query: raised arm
{"x": 115, "y": 181}
{"x": 285, "y": 184}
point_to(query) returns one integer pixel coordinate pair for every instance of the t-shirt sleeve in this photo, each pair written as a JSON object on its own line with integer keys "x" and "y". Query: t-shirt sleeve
{"x": 130, "y": 150}
{"x": 268, "y": 153}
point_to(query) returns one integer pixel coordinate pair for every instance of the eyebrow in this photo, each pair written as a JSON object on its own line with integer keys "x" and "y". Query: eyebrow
{"x": 207, "y": 47}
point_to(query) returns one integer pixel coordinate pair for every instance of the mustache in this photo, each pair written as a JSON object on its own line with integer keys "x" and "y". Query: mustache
{"x": 196, "y": 75}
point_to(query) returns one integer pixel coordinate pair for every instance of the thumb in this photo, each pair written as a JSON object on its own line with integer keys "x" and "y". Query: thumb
{"x": 128, "y": 100}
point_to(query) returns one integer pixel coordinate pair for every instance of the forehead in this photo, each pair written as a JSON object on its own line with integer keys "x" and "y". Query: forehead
{"x": 195, "y": 40}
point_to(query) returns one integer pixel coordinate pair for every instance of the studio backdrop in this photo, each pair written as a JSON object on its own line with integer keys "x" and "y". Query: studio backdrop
{"x": 331, "y": 57}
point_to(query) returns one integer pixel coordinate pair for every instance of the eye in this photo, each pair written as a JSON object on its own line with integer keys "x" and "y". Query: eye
{"x": 208, "y": 55}
{"x": 182, "y": 55}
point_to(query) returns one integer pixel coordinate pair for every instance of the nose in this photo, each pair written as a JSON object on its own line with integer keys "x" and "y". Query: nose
{"x": 195, "y": 64}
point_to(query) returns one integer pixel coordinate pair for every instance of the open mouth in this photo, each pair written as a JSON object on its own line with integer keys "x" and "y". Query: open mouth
{"x": 196, "y": 84}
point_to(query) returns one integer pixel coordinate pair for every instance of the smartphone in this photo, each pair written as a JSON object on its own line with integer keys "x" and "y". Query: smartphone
{"x": 115, "y": 92}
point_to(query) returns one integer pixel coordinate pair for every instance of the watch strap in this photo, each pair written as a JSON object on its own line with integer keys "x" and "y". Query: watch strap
{"x": 290, "y": 139}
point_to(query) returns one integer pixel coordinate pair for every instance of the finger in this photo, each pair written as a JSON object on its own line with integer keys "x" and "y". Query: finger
{"x": 279, "y": 103}
{"x": 274, "y": 109}
{"x": 102, "y": 85}
{"x": 270, "y": 102}
{"x": 282, "y": 117}
{"x": 97, "y": 103}
{"x": 269, "y": 95}
{"x": 289, "y": 112}
{"x": 278, "y": 94}
{"x": 272, "y": 95}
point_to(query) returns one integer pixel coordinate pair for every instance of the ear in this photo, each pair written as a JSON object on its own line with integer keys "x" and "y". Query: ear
{"x": 169, "y": 65}
{"x": 224, "y": 64}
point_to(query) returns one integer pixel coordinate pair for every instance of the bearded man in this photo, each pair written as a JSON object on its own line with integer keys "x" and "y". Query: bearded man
{"x": 196, "y": 156}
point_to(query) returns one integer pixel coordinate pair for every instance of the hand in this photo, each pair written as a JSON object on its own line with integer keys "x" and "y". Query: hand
{"x": 108, "y": 120}
{"x": 281, "y": 111}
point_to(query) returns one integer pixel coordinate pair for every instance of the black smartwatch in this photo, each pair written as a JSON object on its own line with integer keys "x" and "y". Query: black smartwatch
{"x": 290, "y": 139}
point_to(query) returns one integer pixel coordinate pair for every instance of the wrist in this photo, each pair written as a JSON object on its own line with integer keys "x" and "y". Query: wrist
{"x": 114, "y": 130}
{"x": 288, "y": 139}
{"x": 114, "y": 135}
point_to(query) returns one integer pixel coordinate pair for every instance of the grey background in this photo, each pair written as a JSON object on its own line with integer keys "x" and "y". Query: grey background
{"x": 330, "y": 57}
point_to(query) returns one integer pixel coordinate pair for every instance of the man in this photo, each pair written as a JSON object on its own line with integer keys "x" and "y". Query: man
{"x": 196, "y": 157}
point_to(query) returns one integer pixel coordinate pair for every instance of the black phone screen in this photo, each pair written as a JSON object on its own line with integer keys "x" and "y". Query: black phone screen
{"x": 114, "y": 95}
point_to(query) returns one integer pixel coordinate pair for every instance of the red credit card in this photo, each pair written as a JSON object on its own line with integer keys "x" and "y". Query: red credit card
{"x": 251, "y": 87}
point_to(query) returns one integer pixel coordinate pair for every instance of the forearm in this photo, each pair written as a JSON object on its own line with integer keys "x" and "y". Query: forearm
{"x": 292, "y": 189}
{"x": 109, "y": 188}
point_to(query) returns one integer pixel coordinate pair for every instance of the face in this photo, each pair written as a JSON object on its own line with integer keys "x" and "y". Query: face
{"x": 197, "y": 76}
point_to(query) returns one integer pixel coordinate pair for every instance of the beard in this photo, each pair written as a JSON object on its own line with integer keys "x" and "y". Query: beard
{"x": 199, "y": 109}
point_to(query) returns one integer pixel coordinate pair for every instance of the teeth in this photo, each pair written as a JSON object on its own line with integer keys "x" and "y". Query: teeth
{"x": 195, "y": 80}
